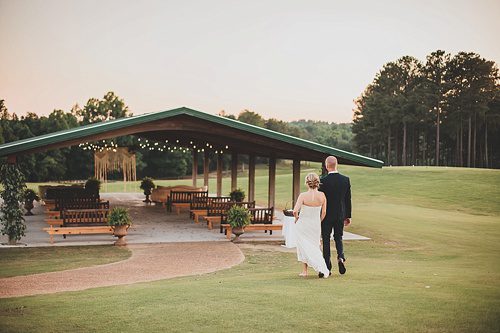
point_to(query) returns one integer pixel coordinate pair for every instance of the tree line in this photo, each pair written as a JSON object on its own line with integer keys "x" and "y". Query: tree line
{"x": 444, "y": 111}
{"x": 74, "y": 163}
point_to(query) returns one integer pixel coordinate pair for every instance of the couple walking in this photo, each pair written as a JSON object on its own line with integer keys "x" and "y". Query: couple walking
{"x": 324, "y": 207}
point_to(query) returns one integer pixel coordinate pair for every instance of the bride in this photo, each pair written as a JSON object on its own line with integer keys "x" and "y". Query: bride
{"x": 312, "y": 207}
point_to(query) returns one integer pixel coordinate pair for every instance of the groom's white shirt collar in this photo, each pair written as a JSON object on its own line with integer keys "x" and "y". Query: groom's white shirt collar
{"x": 333, "y": 172}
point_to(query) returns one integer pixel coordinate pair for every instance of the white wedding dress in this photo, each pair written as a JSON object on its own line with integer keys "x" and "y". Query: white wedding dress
{"x": 308, "y": 233}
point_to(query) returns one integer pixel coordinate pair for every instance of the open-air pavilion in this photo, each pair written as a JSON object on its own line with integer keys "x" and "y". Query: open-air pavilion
{"x": 200, "y": 133}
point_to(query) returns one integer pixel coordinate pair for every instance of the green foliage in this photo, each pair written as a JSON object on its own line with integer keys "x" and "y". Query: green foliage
{"x": 237, "y": 195}
{"x": 30, "y": 196}
{"x": 11, "y": 214}
{"x": 252, "y": 118}
{"x": 442, "y": 112}
{"x": 147, "y": 184}
{"x": 238, "y": 216}
{"x": 119, "y": 216}
{"x": 110, "y": 107}
{"x": 93, "y": 185}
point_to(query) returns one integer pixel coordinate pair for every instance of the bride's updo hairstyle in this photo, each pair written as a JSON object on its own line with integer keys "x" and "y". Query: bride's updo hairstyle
{"x": 312, "y": 180}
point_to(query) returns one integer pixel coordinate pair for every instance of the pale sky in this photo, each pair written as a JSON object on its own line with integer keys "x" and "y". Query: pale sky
{"x": 284, "y": 59}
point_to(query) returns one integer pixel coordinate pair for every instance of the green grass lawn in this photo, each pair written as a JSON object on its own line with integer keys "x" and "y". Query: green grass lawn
{"x": 32, "y": 260}
{"x": 433, "y": 265}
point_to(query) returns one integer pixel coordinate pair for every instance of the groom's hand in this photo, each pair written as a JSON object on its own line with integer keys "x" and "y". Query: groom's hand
{"x": 347, "y": 221}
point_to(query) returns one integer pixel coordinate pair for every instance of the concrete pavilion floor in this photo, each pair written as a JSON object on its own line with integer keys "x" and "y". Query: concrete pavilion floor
{"x": 151, "y": 224}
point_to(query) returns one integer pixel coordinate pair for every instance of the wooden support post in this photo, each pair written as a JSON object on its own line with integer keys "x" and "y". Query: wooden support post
{"x": 194, "y": 174}
{"x": 205, "y": 168}
{"x": 234, "y": 171}
{"x": 219, "y": 175}
{"x": 272, "y": 182}
{"x": 251, "y": 177}
{"x": 296, "y": 181}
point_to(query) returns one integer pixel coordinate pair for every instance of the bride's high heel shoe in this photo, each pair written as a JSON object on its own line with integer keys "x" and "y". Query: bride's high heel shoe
{"x": 303, "y": 274}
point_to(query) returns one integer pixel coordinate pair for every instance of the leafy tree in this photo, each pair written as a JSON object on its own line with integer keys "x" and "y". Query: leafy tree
{"x": 252, "y": 118}
{"x": 435, "y": 88}
{"x": 427, "y": 107}
{"x": 110, "y": 107}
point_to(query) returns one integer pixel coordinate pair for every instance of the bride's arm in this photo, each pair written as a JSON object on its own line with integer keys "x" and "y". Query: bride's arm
{"x": 297, "y": 207}
{"x": 323, "y": 207}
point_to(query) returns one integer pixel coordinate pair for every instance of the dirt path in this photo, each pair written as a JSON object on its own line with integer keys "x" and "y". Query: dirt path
{"x": 149, "y": 262}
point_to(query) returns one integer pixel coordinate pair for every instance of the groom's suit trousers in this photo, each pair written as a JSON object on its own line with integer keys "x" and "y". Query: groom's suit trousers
{"x": 327, "y": 226}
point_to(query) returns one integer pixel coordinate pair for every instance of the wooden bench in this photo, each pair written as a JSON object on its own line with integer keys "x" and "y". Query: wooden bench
{"x": 79, "y": 222}
{"x": 77, "y": 231}
{"x": 257, "y": 216}
{"x": 54, "y": 217}
{"x": 270, "y": 227}
{"x": 160, "y": 194}
{"x": 199, "y": 206}
{"x": 182, "y": 199}
{"x": 216, "y": 211}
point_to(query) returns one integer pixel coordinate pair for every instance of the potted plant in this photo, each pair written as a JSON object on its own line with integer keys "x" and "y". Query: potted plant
{"x": 93, "y": 185}
{"x": 119, "y": 220}
{"x": 238, "y": 217}
{"x": 237, "y": 195}
{"x": 29, "y": 197}
{"x": 147, "y": 185}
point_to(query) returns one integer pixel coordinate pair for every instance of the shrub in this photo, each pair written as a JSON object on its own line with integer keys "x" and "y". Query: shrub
{"x": 119, "y": 216}
{"x": 238, "y": 216}
{"x": 237, "y": 195}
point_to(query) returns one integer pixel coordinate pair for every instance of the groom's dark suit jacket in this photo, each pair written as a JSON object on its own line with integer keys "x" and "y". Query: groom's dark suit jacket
{"x": 337, "y": 189}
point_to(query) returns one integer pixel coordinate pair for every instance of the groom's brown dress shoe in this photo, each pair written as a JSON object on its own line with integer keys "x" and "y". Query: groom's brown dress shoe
{"x": 342, "y": 269}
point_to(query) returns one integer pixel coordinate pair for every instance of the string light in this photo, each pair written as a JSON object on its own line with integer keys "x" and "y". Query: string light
{"x": 160, "y": 146}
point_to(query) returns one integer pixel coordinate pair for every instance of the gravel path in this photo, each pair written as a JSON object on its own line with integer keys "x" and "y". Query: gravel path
{"x": 149, "y": 262}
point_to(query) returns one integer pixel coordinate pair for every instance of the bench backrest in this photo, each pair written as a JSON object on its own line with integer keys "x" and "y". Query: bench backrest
{"x": 226, "y": 205}
{"x": 216, "y": 208}
{"x": 261, "y": 215}
{"x": 200, "y": 203}
{"x": 186, "y": 196}
{"x": 80, "y": 203}
{"x": 67, "y": 192}
{"x": 85, "y": 217}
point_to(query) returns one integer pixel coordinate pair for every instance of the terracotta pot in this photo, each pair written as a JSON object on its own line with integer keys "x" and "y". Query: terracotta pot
{"x": 120, "y": 231}
{"x": 238, "y": 231}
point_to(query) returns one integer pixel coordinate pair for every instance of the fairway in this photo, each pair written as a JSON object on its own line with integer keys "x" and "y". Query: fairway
{"x": 433, "y": 265}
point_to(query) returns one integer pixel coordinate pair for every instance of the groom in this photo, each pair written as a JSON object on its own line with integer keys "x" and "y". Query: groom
{"x": 337, "y": 189}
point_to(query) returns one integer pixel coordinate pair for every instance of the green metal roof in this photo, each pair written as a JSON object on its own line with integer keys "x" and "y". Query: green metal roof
{"x": 25, "y": 145}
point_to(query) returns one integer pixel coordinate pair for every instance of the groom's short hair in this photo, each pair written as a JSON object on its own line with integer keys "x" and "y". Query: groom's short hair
{"x": 331, "y": 162}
